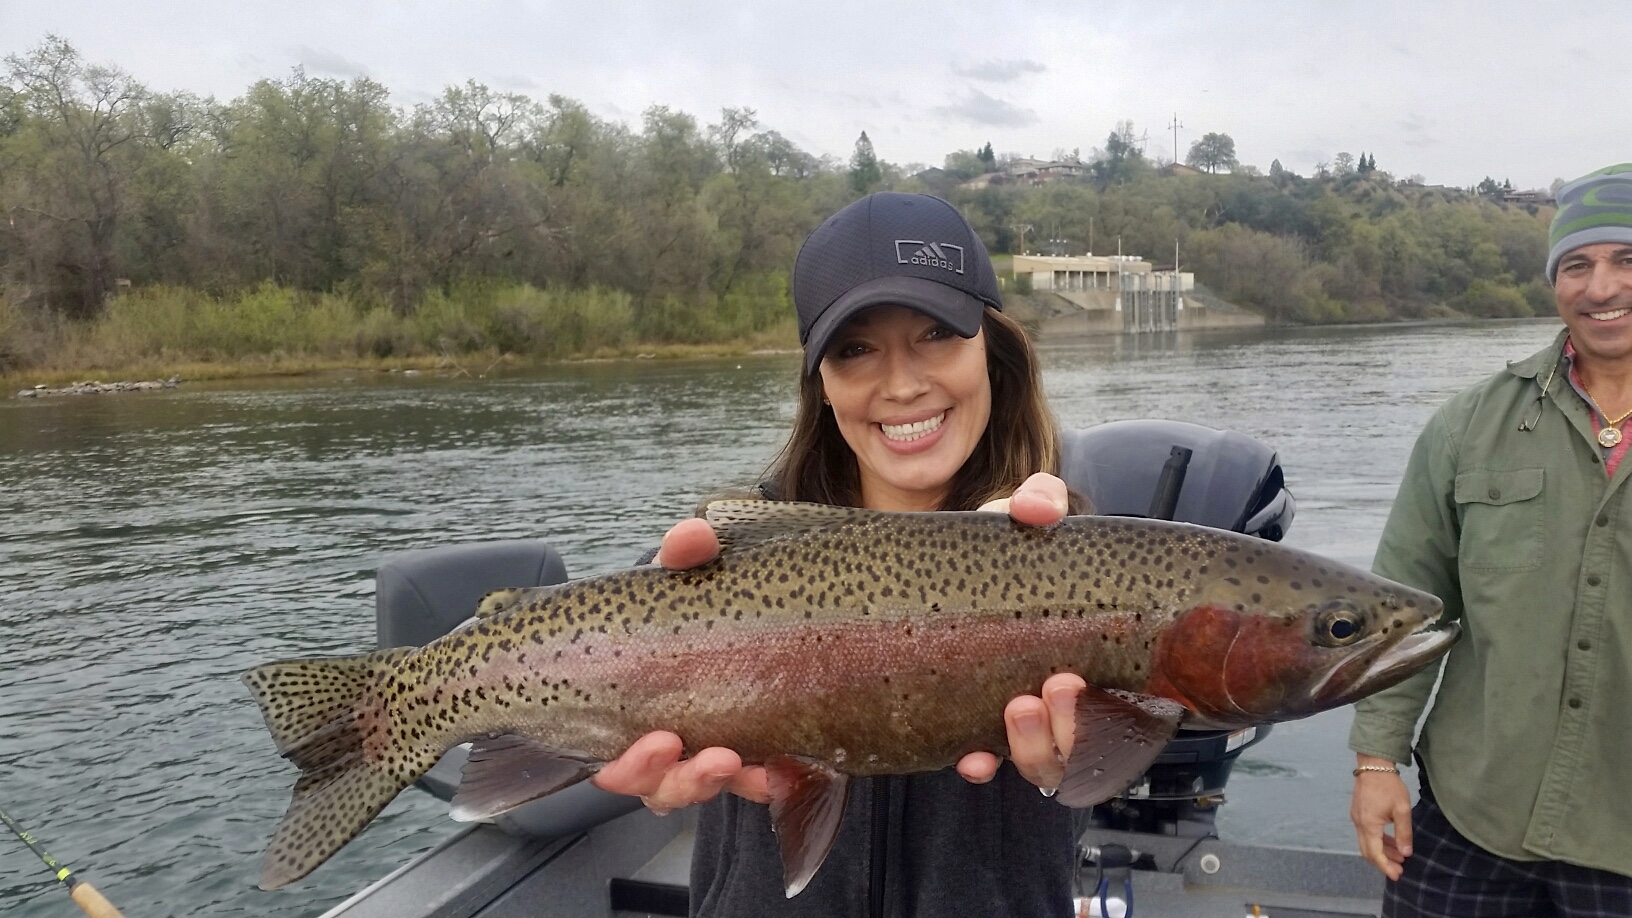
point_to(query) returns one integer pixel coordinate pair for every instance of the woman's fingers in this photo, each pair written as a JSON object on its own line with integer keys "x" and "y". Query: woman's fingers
{"x": 651, "y": 769}
{"x": 694, "y": 780}
{"x": 1039, "y": 501}
{"x": 1031, "y": 742}
{"x": 1060, "y": 692}
{"x": 687, "y": 544}
{"x": 978, "y": 767}
{"x": 639, "y": 771}
{"x": 752, "y": 784}
{"x": 1040, "y": 735}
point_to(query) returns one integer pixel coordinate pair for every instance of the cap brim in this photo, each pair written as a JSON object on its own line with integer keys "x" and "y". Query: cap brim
{"x": 949, "y": 306}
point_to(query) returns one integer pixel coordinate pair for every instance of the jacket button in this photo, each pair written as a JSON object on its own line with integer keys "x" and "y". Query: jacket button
{"x": 1602, "y": 520}
{"x": 1575, "y": 702}
{"x": 1584, "y": 644}
{"x": 1495, "y": 493}
{"x": 1593, "y": 580}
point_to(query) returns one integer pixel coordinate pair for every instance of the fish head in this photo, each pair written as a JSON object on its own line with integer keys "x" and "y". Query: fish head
{"x": 1284, "y": 634}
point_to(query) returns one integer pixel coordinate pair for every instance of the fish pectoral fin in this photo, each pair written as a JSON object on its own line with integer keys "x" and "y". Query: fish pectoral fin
{"x": 1119, "y": 735}
{"x": 739, "y": 523}
{"x": 807, "y": 804}
{"x": 507, "y": 770}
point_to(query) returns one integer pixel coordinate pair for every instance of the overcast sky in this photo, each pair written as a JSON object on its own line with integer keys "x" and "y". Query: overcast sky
{"x": 1454, "y": 91}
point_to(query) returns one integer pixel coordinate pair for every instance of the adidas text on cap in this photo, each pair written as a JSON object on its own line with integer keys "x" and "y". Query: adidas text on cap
{"x": 912, "y": 250}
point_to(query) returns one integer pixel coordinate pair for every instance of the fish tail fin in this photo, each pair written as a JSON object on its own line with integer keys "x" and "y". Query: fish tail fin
{"x": 319, "y": 713}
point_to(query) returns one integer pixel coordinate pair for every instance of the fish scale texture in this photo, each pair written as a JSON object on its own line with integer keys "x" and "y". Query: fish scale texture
{"x": 886, "y": 643}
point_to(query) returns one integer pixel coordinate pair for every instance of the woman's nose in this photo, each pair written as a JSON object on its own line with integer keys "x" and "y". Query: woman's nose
{"x": 905, "y": 378}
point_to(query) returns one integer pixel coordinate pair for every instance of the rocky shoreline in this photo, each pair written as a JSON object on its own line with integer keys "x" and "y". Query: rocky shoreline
{"x": 97, "y": 387}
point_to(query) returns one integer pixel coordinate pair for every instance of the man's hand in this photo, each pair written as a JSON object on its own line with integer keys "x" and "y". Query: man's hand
{"x": 1381, "y": 799}
{"x": 1039, "y": 730}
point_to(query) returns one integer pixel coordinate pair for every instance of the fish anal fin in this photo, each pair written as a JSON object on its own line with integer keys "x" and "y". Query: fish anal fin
{"x": 807, "y": 804}
{"x": 1118, "y": 736}
{"x": 507, "y": 770}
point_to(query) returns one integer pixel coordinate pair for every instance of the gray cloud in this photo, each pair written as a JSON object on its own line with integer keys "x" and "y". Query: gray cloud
{"x": 1415, "y": 128}
{"x": 327, "y": 63}
{"x": 516, "y": 81}
{"x": 979, "y": 108}
{"x": 996, "y": 71}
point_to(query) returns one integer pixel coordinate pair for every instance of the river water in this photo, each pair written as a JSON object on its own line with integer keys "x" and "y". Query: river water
{"x": 155, "y": 545}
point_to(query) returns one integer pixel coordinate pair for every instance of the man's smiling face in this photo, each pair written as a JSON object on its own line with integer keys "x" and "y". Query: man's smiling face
{"x": 1594, "y": 293}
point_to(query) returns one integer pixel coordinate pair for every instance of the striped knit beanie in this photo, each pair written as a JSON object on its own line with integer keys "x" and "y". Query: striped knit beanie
{"x": 1594, "y": 208}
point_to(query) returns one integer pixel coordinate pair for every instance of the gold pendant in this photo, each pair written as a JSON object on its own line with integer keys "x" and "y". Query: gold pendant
{"x": 1609, "y": 437}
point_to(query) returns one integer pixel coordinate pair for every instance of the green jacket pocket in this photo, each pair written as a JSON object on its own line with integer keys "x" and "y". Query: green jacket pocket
{"x": 1502, "y": 519}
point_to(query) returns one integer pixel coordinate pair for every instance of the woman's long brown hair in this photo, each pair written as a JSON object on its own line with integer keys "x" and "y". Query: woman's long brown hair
{"x": 1020, "y": 439}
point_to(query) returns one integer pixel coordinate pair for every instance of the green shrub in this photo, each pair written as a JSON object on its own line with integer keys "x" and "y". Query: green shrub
{"x": 1489, "y": 299}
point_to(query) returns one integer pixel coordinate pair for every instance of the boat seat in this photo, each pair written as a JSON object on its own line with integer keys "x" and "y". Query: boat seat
{"x": 421, "y": 595}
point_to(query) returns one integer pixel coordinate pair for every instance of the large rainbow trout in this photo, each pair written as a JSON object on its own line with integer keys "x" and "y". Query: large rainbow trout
{"x": 830, "y": 642}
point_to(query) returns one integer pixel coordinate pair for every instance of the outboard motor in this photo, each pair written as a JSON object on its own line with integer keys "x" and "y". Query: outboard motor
{"x": 1174, "y": 470}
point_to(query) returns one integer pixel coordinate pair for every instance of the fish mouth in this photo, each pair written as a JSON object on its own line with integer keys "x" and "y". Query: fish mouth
{"x": 1389, "y": 666}
{"x": 1411, "y": 654}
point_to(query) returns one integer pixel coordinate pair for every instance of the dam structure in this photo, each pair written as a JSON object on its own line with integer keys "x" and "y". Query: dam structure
{"x": 1118, "y": 294}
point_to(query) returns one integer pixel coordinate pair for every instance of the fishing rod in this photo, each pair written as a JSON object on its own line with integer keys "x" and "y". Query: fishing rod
{"x": 84, "y": 894}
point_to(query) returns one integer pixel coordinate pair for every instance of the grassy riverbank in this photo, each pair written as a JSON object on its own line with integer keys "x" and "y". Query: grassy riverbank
{"x": 159, "y": 331}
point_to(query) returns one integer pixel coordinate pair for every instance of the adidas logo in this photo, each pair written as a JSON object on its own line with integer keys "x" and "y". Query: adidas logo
{"x": 930, "y": 254}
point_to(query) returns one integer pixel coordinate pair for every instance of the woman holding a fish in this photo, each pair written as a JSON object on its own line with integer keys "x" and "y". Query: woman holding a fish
{"x": 836, "y": 640}
{"x": 917, "y": 394}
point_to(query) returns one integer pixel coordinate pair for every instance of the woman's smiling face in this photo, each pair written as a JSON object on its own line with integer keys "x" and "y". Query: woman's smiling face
{"x": 911, "y": 398}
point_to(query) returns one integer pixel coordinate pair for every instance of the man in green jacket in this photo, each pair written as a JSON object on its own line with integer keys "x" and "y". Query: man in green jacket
{"x": 1514, "y": 511}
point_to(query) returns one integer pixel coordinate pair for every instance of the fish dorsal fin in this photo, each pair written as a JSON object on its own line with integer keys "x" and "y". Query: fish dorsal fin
{"x": 499, "y": 602}
{"x": 1118, "y": 736}
{"x": 807, "y": 803}
{"x": 739, "y": 523}
{"x": 507, "y": 770}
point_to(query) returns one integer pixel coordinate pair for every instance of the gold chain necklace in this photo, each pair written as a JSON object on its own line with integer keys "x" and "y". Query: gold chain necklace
{"x": 1609, "y": 436}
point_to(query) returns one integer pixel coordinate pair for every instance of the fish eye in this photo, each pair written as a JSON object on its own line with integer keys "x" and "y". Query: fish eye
{"x": 1338, "y": 626}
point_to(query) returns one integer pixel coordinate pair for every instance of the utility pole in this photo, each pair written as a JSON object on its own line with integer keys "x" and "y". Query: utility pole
{"x": 1175, "y": 126}
{"x": 1022, "y": 229}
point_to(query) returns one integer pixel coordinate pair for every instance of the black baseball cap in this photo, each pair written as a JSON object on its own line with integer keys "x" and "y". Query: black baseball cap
{"x": 889, "y": 248}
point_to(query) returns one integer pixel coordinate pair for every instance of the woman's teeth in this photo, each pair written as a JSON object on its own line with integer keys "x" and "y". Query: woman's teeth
{"x": 906, "y": 432}
{"x": 1610, "y": 316}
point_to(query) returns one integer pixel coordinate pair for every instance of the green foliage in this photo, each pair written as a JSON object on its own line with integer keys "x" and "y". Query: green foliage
{"x": 1213, "y": 152}
{"x": 310, "y": 215}
{"x": 1493, "y": 300}
{"x": 865, "y": 173}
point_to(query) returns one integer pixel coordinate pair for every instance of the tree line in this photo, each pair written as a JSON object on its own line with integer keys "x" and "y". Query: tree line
{"x": 1348, "y": 243}
{"x": 309, "y": 191}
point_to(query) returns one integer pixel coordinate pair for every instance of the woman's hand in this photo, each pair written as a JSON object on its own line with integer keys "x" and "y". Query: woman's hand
{"x": 1040, "y": 729}
{"x": 1381, "y": 799}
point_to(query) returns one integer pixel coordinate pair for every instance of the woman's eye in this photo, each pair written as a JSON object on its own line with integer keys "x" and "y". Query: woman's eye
{"x": 939, "y": 332}
{"x": 848, "y": 350}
